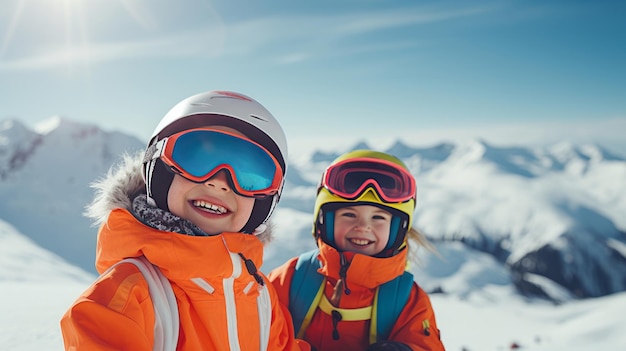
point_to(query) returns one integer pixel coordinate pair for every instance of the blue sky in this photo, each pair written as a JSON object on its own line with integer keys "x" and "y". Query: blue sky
{"x": 421, "y": 71}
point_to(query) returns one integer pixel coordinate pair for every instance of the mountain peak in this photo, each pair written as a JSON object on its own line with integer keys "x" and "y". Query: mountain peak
{"x": 11, "y": 124}
{"x": 400, "y": 149}
{"x": 597, "y": 152}
{"x": 11, "y": 129}
{"x": 472, "y": 151}
{"x": 14, "y": 135}
{"x": 48, "y": 125}
{"x": 361, "y": 145}
{"x": 58, "y": 122}
{"x": 565, "y": 152}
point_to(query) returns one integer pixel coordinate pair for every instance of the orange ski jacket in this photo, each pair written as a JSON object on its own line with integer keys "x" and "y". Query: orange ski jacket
{"x": 416, "y": 325}
{"x": 217, "y": 298}
{"x": 221, "y": 306}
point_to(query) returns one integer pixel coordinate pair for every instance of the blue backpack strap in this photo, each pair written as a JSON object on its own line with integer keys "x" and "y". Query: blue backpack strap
{"x": 306, "y": 285}
{"x": 394, "y": 295}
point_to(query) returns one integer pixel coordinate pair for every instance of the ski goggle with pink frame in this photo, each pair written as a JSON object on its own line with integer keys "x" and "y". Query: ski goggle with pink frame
{"x": 198, "y": 154}
{"x": 350, "y": 178}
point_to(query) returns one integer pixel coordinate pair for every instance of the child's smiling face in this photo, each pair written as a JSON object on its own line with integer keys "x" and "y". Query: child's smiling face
{"x": 213, "y": 205}
{"x": 363, "y": 229}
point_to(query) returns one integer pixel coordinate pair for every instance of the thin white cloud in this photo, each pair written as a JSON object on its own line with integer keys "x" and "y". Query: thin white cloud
{"x": 184, "y": 45}
{"x": 307, "y": 35}
{"x": 372, "y": 21}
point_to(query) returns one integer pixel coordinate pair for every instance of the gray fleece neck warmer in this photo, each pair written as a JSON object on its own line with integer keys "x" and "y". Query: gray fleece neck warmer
{"x": 163, "y": 220}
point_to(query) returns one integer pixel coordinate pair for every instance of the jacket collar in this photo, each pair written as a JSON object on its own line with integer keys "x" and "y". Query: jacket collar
{"x": 366, "y": 271}
{"x": 179, "y": 257}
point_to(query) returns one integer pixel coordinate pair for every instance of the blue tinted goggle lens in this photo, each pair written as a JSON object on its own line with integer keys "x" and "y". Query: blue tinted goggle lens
{"x": 200, "y": 152}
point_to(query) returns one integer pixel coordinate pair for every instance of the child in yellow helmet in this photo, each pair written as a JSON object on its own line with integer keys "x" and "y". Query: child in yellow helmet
{"x": 353, "y": 292}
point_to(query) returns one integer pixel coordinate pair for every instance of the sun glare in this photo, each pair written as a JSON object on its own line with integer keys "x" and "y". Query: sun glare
{"x": 59, "y": 33}
{"x": 76, "y": 36}
{"x": 40, "y": 30}
{"x": 8, "y": 36}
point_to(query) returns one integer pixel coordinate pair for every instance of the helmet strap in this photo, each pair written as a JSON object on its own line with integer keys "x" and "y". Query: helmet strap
{"x": 393, "y": 232}
{"x": 330, "y": 227}
{"x": 397, "y": 234}
{"x": 260, "y": 213}
{"x": 325, "y": 226}
{"x": 158, "y": 181}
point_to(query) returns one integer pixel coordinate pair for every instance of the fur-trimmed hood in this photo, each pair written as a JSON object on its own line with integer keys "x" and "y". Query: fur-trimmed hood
{"x": 119, "y": 187}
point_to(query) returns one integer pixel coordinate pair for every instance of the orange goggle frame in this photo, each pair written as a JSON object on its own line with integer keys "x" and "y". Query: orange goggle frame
{"x": 198, "y": 154}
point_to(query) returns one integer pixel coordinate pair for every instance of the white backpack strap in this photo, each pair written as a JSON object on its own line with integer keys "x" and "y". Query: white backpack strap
{"x": 264, "y": 304}
{"x": 166, "y": 322}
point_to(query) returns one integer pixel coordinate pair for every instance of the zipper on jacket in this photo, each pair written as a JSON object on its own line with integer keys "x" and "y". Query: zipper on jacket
{"x": 343, "y": 272}
{"x": 263, "y": 301}
{"x": 342, "y": 283}
{"x": 336, "y": 319}
{"x": 251, "y": 268}
{"x": 341, "y": 286}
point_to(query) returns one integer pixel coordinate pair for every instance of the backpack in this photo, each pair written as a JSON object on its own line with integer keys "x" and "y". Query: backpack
{"x": 166, "y": 320}
{"x": 307, "y": 294}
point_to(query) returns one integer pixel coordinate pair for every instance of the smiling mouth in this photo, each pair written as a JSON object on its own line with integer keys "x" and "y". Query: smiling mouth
{"x": 209, "y": 207}
{"x": 360, "y": 242}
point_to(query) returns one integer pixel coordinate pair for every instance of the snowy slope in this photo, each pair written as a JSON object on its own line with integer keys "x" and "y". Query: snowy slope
{"x": 35, "y": 288}
{"x": 34, "y": 299}
{"x": 21, "y": 260}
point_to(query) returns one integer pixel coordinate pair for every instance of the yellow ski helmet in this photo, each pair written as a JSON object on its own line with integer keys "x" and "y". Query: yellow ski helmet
{"x": 366, "y": 177}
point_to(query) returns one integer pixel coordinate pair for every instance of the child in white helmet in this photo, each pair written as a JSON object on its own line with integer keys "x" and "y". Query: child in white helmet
{"x": 353, "y": 292}
{"x": 182, "y": 234}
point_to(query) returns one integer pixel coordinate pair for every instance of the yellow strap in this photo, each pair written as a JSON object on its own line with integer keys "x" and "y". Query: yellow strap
{"x": 311, "y": 311}
{"x": 426, "y": 327}
{"x": 374, "y": 323}
{"x": 352, "y": 314}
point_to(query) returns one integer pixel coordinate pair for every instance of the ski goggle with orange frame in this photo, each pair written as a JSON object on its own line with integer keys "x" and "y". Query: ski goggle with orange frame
{"x": 350, "y": 178}
{"x": 198, "y": 154}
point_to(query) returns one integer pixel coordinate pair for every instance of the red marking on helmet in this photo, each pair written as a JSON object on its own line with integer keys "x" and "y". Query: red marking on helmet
{"x": 234, "y": 95}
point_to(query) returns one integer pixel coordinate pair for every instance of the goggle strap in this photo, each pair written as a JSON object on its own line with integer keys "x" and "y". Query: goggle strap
{"x": 155, "y": 150}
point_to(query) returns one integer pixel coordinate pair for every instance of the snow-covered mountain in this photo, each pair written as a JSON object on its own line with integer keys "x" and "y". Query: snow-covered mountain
{"x": 554, "y": 217}
{"x": 548, "y": 221}
{"x": 44, "y": 181}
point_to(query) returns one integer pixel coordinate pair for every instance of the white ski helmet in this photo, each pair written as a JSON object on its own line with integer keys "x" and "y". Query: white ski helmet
{"x": 223, "y": 108}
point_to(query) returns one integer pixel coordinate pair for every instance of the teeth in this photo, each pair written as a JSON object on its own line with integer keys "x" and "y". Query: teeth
{"x": 360, "y": 242}
{"x": 209, "y": 207}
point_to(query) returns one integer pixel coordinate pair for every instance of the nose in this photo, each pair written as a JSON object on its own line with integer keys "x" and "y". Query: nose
{"x": 219, "y": 181}
{"x": 363, "y": 225}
